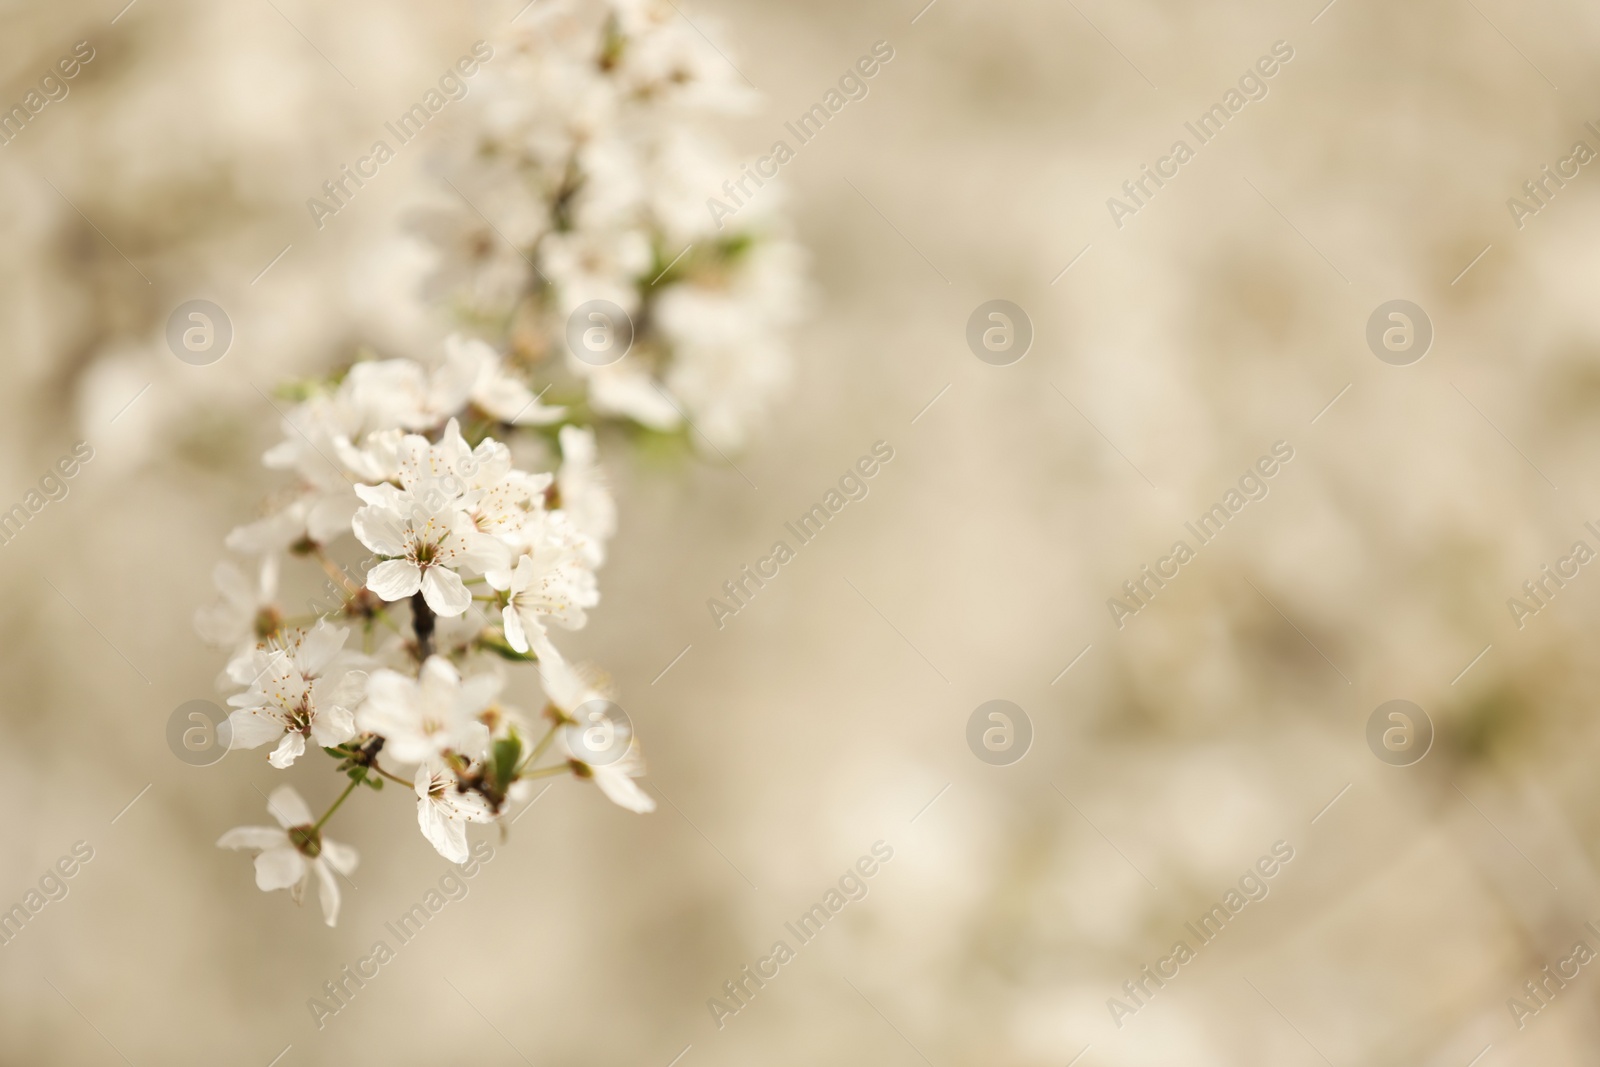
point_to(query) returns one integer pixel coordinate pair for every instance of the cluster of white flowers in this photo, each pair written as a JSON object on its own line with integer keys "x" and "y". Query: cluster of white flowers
{"x": 587, "y": 153}
{"x": 591, "y": 172}
{"x": 486, "y": 558}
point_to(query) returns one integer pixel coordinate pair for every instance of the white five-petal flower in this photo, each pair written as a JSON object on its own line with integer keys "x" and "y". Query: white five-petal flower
{"x": 289, "y": 853}
{"x": 425, "y": 546}
{"x": 299, "y": 687}
{"x": 424, "y": 717}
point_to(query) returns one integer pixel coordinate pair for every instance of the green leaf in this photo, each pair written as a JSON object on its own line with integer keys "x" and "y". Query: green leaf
{"x": 507, "y": 752}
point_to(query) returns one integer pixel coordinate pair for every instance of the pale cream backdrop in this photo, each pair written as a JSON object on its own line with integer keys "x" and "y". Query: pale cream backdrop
{"x": 824, "y": 717}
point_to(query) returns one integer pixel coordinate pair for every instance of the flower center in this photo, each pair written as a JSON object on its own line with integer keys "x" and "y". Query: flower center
{"x": 268, "y": 620}
{"x": 307, "y": 840}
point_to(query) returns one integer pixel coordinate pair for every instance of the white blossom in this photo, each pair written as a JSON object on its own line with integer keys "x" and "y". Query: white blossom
{"x": 426, "y": 543}
{"x": 553, "y": 581}
{"x": 298, "y": 688}
{"x": 617, "y": 774}
{"x": 424, "y": 717}
{"x": 321, "y": 508}
{"x": 618, "y": 780}
{"x": 246, "y": 610}
{"x": 289, "y": 853}
{"x": 588, "y": 141}
{"x": 586, "y": 145}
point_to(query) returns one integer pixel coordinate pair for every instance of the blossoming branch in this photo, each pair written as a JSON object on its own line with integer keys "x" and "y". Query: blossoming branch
{"x": 480, "y": 503}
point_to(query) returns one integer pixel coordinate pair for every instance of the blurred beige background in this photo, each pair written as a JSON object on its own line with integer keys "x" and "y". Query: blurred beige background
{"x": 1227, "y": 715}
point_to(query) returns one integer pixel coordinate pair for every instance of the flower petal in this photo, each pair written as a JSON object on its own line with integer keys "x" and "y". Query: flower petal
{"x": 481, "y": 553}
{"x": 471, "y": 739}
{"x": 439, "y": 679}
{"x": 513, "y": 625}
{"x": 334, "y": 725}
{"x": 226, "y": 622}
{"x": 286, "y": 806}
{"x": 447, "y": 835}
{"x": 341, "y": 857}
{"x": 477, "y": 693}
{"x": 319, "y": 647}
{"x": 252, "y": 728}
{"x": 291, "y": 748}
{"x": 380, "y": 529}
{"x": 276, "y": 531}
{"x": 256, "y": 837}
{"x": 327, "y": 892}
{"x": 339, "y": 690}
{"x": 396, "y": 579}
{"x": 623, "y": 790}
{"x": 564, "y": 684}
{"x": 330, "y": 516}
{"x": 523, "y": 577}
{"x": 247, "y": 667}
{"x": 443, "y": 589}
{"x": 279, "y": 868}
{"x": 392, "y": 704}
{"x": 384, "y": 496}
{"x": 269, "y": 576}
{"x": 235, "y": 588}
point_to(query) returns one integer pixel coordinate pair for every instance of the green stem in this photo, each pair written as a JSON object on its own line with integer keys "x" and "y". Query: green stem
{"x": 393, "y": 777}
{"x": 329, "y": 813}
{"x": 545, "y": 772}
{"x": 538, "y": 750}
